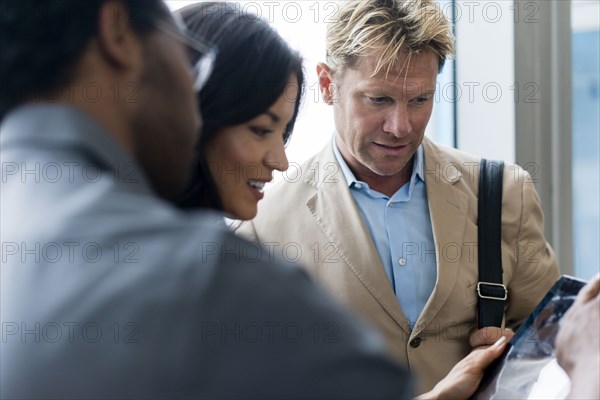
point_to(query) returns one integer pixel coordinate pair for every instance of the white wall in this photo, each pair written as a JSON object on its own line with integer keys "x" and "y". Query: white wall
{"x": 486, "y": 79}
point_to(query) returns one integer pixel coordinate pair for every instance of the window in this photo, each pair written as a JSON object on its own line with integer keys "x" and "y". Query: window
{"x": 585, "y": 24}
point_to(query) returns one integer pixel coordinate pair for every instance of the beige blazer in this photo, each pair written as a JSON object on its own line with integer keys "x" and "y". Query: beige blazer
{"x": 311, "y": 218}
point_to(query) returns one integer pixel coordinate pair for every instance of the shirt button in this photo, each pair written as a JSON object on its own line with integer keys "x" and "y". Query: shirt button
{"x": 358, "y": 186}
{"x": 416, "y": 342}
{"x": 402, "y": 262}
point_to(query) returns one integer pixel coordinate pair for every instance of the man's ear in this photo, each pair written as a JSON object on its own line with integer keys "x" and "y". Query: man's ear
{"x": 326, "y": 84}
{"x": 117, "y": 41}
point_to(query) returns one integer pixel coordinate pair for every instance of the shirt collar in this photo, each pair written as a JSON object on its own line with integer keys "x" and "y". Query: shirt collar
{"x": 351, "y": 179}
{"x": 348, "y": 175}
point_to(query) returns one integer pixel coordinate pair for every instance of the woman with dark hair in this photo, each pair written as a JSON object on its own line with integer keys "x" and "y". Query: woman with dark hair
{"x": 249, "y": 106}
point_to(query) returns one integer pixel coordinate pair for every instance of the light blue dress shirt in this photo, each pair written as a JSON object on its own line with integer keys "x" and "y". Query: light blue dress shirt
{"x": 400, "y": 227}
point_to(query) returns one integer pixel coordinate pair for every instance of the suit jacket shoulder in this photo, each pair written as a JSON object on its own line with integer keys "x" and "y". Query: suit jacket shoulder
{"x": 117, "y": 294}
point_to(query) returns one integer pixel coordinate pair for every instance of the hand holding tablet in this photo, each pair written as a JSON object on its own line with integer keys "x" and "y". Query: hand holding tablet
{"x": 528, "y": 369}
{"x": 578, "y": 342}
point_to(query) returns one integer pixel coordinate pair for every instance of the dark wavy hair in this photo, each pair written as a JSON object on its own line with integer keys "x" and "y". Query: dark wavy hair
{"x": 41, "y": 41}
{"x": 251, "y": 71}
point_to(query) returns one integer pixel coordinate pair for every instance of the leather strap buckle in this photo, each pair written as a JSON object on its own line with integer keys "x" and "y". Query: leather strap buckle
{"x": 491, "y": 292}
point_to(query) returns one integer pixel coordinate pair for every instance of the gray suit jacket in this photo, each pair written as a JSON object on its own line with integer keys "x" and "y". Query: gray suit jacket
{"x": 109, "y": 292}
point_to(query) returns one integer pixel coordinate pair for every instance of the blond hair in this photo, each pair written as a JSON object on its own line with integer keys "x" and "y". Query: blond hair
{"x": 389, "y": 28}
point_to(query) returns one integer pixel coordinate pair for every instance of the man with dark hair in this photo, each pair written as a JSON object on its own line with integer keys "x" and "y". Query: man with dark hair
{"x": 107, "y": 290}
{"x": 139, "y": 92}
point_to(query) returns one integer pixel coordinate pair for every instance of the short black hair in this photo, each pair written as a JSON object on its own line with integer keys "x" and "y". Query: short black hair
{"x": 251, "y": 72}
{"x": 40, "y": 42}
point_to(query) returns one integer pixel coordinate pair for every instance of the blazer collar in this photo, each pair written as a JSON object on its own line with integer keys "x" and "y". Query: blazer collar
{"x": 337, "y": 215}
{"x": 448, "y": 208}
{"x": 335, "y": 212}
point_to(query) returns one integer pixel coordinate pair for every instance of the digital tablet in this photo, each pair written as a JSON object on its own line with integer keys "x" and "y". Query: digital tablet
{"x": 528, "y": 369}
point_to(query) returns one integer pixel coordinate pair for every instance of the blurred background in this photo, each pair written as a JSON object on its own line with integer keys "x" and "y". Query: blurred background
{"x": 524, "y": 87}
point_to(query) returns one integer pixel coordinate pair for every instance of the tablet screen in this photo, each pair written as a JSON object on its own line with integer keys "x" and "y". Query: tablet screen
{"x": 528, "y": 368}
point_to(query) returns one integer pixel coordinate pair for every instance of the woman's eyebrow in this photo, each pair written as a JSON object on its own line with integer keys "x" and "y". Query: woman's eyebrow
{"x": 273, "y": 116}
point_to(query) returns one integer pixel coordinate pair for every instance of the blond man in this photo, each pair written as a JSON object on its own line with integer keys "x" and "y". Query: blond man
{"x": 386, "y": 219}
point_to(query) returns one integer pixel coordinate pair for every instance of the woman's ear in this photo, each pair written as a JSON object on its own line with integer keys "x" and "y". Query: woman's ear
{"x": 117, "y": 41}
{"x": 326, "y": 84}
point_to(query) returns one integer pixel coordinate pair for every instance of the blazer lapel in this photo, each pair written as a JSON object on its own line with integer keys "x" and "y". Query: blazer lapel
{"x": 448, "y": 206}
{"x": 338, "y": 217}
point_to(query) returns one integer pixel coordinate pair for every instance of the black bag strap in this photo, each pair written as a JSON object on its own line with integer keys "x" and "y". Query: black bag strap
{"x": 490, "y": 289}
